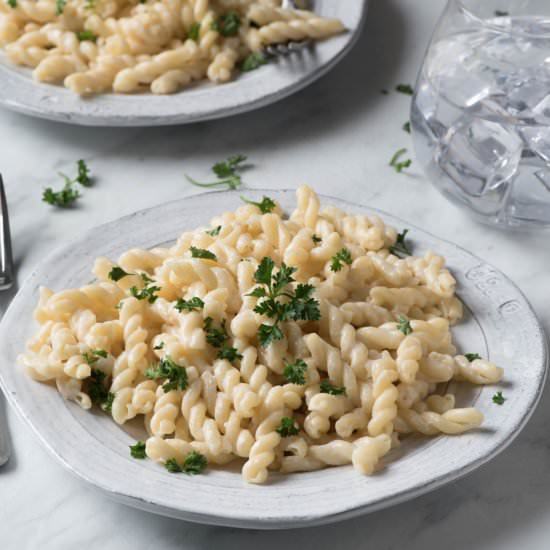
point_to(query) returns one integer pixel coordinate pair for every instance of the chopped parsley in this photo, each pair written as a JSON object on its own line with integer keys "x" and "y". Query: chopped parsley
{"x": 400, "y": 165}
{"x": 400, "y": 246}
{"x": 404, "y": 325}
{"x": 500, "y": 13}
{"x": 60, "y": 6}
{"x": 404, "y": 89}
{"x": 279, "y": 303}
{"x": 159, "y": 346}
{"x": 145, "y": 293}
{"x": 231, "y": 354}
{"x": 498, "y": 398}
{"x": 12, "y": 3}
{"x": 194, "y": 31}
{"x": 189, "y": 305}
{"x": 407, "y": 127}
{"x": 227, "y": 24}
{"x": 193, "y": 464}
{"x": 216, "y": 337}
{"x": 287, "y": 427}
{"x": 138, "y": 450}
{"x": 86, "y": 35}
{"x": 266, "y": 205}
{"x": 214, "y": 232}
{"x": 254, "y": 61}
{"x": 107, "y": 405}
{"x": 316, "y": 239}
{"x": 339, "y": 259}
{"x": 174, "y": 374}
{"x": 226, "y": 171}
{"x": 83, "y": 176}
{"x": 472, "y": 356}
{"x": 91, "y": 357}
{"x": 327, "y": 387}
{"x": 97, "y": 390}
{"x": 90, "y": 4}
{"x": 295, "y": 372}
{"x": 202, "y": 253}
{"x": 117, "y": 273}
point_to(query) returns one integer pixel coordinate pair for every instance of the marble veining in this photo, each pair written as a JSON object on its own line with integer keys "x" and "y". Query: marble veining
{"x": 338, "y": 136}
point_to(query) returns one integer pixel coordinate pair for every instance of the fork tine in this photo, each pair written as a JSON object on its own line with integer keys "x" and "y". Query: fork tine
{"x": 6, "y": 258}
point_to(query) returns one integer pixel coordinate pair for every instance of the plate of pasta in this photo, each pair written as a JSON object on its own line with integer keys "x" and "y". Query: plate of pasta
{"x": 297, "y": 360}
{"x": 159, "y": 62}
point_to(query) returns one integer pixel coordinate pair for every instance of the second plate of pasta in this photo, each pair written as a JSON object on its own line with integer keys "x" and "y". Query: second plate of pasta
{"x": 310, "y": 359}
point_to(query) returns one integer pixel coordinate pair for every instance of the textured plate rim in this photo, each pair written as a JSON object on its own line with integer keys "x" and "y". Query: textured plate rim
{"x": 280, "y": 521}
{"x": 23, "y": 95}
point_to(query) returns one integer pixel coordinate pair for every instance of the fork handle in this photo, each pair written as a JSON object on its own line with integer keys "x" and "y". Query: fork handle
{"x": 6, "y": 258}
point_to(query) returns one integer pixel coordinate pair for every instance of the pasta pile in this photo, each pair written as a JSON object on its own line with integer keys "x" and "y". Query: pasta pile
{"x": 178, "y": 335}
{"x": 97, "y": 46}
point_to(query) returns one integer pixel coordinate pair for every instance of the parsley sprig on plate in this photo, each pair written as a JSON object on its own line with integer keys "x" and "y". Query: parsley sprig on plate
{"x": 279, "y": 302}
{"x": 194, "y": 463}
{"x": 266, "y": 205}
{"x": 174, "y": 374}
{"x": 295, "y": 372}
{"x": 342, "y": 257}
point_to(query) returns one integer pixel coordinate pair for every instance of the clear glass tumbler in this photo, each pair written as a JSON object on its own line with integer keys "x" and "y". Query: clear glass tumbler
{"x": 481, "y": 110}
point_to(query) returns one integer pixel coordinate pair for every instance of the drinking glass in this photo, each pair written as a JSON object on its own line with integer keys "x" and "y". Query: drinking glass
{"x": 481, "y": 110}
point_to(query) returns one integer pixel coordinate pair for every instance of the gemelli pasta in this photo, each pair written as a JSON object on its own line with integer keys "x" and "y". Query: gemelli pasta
{"x": 289, "y": 343}
{"x": 98, "y": 46}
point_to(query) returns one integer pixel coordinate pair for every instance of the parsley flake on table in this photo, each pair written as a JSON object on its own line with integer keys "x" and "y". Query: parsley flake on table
{"x": 266, "y": 205}
{"x": 498, "y": 398}
{"x": 60, "y": 6}
{"x": 287, "y": 427}
{"x": 406, "y": 89}
{"x": 407, "y": 127}
{"x": 254, "y": 61}
{"x": 278, "y": 302}
{"x": 189, "y": 305}
{"x": 68, "y": 195}
{"x": 202, "y": 253}
{"x": 404, "y": 325}
{"x": 227, "y": 24}
{"x": 500, "y": 13}
{"x": 174, "y": 374}
{"x": 138, "y": 450}
{"x": 193, "y": 464}
{"x": 327, "y": 387}
{"x": 472, "y": 356}
{"x": 227, "y": 173}
{"x": 86, "y": 35}
{"x": 400, "y": 246}
{"x": 214, "y": 232}
{"x": 295, "y": 372}
{"x": 342, "y": 257}
{"x": 400, "y": 165}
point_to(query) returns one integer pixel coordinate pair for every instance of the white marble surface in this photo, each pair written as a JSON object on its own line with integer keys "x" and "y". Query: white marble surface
{"x": 338, "y": 136}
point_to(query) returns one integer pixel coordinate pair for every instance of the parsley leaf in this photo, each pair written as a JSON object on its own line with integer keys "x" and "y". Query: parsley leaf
{"x": 214, "y": 232}
{"x": 146, "y": 293}
{"x": 400, "y": 246}
{"x": 500, "y": 13}
{"x": 404, "y": 325}
{"x": 167, "y": 368}
{"x": 117, "y": 273}
{"x": 498, "y": 398}
{"x": 194, "y": 463}
{"x": 265, "y": 206}
{"x": 407, "y": 127}
{"x": 398, "y": 165}
{"x": 12, "y": 3}
{"x": 227, "y": 24}
{"x": 107, "y": 405}
{"x": 189, "y": 305}
{"x": 231, "y": 354}
{"x": 97, "y": 390}
{"x": 341, "y": 257}
{"x": 90, "y": 4}
{"x": 227, "y": 173}
{"x": 202, "y": 253}
{"x": 138, "y": 450}
{"x": 327, "y": 387}
{"x": 63, "y": 199}
{"x": 216, "y": 337}
{"x": 253, "y": 62}
{"x": 83, "y": 176}
{"x": 316, "y": 239}
{"x": 159, "y": 346}
{"x": 91, "y": 357}
{"x": 295, "y": 372}
{"x": 280, "y": 304}
{"x": 194, "y": 31}
{"x": 86, "y": 35}
{"x": 406, "y": 89}
{"x": 287, "y": 427}
{"x": 60, "y": 6}
{"x": 472, "y": 356}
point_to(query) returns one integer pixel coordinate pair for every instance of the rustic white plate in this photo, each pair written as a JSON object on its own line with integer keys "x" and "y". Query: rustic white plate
{"x": 202, "y": 102}
{"x": 499, "y": 324}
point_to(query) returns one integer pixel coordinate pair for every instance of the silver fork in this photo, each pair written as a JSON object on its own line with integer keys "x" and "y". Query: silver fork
{"x": 275, "y": 50}
{"x": 6, "y": 281}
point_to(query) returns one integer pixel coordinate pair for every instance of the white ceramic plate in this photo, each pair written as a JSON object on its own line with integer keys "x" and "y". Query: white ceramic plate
{"x": 249, "y": 91}
{"x": 499, "y": 324}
